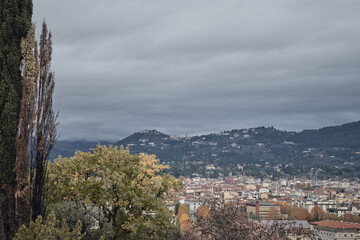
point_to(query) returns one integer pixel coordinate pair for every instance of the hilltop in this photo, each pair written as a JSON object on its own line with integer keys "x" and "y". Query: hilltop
{"x": 260, "y": 151}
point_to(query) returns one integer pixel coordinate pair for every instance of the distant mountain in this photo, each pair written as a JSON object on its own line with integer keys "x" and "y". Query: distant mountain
{"x": 262, "y": 151}
{"x": 347, "y": 135}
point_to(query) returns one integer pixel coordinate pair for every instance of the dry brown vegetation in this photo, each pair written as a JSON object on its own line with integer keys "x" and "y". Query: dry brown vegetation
{"x": 230, "y": 221}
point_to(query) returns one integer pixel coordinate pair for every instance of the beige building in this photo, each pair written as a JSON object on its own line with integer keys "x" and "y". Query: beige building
{"x": 230, "y": 195}
{"x": 336, "y": 230}
{"x": 250, "y": 187}
{"x": 265, "y": 210}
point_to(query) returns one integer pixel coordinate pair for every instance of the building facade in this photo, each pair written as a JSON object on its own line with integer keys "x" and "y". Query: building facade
{"x": 336, "y": 230}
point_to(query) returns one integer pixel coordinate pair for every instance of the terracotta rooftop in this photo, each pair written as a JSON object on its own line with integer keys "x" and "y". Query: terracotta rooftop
{"x": 337, "y": 224}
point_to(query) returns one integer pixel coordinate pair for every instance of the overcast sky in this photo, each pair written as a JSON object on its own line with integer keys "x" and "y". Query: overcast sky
{"x": 200, "y": 66}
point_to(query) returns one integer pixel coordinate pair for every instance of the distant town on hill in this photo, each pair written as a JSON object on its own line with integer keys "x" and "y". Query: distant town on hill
{"x": 328, "y": 152}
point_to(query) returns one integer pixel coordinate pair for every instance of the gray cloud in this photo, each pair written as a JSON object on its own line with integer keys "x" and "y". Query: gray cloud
{"x": 202, "y": 66}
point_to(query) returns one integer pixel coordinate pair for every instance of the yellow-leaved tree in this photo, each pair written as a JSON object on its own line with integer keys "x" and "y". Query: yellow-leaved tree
{"x": 129, "y": 189}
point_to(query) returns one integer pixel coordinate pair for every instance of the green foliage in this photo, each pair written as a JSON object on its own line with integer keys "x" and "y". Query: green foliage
{"x": 127, "y": 188}
{"x": 15, "y": 21}
{"x": 177, "y": 205}
{"x": 51, "y": 228}
{"x": 94, "y": 224}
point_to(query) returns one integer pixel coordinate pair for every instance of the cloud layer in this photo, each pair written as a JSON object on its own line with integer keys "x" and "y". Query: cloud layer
{"x": 202, "y": 66}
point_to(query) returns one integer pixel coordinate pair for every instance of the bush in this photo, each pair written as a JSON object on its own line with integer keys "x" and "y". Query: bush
{"x": 51, "y": 228}
{"x": 94, "y": 224}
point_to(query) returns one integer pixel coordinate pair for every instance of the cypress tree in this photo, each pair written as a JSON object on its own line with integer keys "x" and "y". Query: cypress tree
{"x": 15, "y": 21}
{"x": 24, "y": 142}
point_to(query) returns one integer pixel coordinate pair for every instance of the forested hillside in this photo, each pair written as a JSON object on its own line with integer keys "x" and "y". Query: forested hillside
{"x": 261, "y": 151}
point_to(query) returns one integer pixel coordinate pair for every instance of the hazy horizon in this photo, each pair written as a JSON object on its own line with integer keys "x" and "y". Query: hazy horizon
{"x": 188, "y": 134}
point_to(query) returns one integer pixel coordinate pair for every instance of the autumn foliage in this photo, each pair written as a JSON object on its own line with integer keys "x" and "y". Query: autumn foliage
{"x": 129, "y": 189}
{"x": 274, "y": 213}
{"x": 348, "y": 217}
{"x": 185, "y": 223}
{"x": 230, "y": 221}
{"x": 202, "y": 213}
{"x": 183, "y": 219}
{"x": 298, "y": 213}
{"x": 186, "y": 226}
{"x": 183, "y": 209}
{"x": 318, "y": 214}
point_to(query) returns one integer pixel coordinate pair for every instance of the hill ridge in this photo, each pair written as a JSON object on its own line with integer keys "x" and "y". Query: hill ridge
{"x": 327, "y": 148}
{"x": 258, "y": 151}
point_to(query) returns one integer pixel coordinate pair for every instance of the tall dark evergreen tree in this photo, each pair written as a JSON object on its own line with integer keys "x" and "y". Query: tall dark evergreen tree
{"x": 15, "y": 21}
